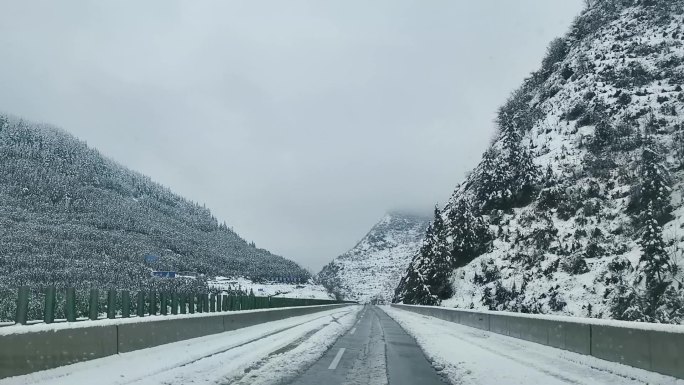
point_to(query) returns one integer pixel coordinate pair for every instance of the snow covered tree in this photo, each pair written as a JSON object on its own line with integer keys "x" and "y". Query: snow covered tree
{"x": 654, "y": 262}
{"x": 413, "y": 287}
{"x": 467, "y": 234}
{"x": 441, "y": 266}
{"x": 427, "y": 279}
{"x": 655, "y": 185}
{"x": 507, "y": 175}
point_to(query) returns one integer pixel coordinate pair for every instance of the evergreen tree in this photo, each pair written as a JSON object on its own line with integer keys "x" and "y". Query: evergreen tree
{"x": 507, "y": 175}
{"x": 427, "y": 277}
{"x": 413, "y": 288}
{"x": 438, "y": 272}
{"x": 655, "y": 187}
{"x": 654, "y": 262}
{"x": 468, "y": 234}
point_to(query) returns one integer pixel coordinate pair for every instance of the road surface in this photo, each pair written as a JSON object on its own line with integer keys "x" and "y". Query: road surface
{"x": 353, "y": 345}
{"x": 375, "y": 351}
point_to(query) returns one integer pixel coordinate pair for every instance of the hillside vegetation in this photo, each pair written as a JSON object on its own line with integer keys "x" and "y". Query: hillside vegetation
{"x": 576, "y": 208}
{"x": 69, "y": 216}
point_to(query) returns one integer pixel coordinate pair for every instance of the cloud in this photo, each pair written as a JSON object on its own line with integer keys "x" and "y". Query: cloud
{"x": 299, "y": 123}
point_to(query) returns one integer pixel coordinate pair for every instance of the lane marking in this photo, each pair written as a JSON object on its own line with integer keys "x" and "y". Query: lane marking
{"x": 353, "y": 331}
{"x": 336, "y": 360}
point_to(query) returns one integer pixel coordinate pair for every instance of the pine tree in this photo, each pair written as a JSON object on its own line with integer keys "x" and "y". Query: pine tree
{"x": 468, "y": 234}
{"x": 438, "y": 274}
{"x": 655, "y": 187}
{"x": 654, "y": 262}
{"x": 507, "y": 175}
{"x": 413, "y": 287}
{"x": 427, "y": 278}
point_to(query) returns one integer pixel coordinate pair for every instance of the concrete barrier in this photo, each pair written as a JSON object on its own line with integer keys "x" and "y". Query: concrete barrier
{"x": 28, "y": 349}
{"x": 141, "y": 335}
{"x": 626, "y": 346}
{"x": 654, "y": 347}
{"x": 31, "y": 352}
{"x": 666, "y": 353}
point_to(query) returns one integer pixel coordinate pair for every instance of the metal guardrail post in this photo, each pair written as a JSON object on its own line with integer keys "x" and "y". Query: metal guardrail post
{"x": 205, "y": 302}
{"x": 140, "y": 304}
{"x": 111, "y": 304}
{"x": 125, "y": 304}
{"x": 22, "y": 306}
{"x": 200, "y": 305}
{"x": 163, "y": 302}
{"x": 50, "y": 298}
{"x": 183, "y": 303}
{"x": 153, "y": 302}
{"x": 70, "y": 304}
{"x": 212, "y": 303}
{"x": 174, "y": 303}
{"x": 93, "y": 307}
{"x": 191, "y": 303}
{"x": 219, "y": 302}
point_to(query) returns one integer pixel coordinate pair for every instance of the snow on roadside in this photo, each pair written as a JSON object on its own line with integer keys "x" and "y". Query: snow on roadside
{"x": 474, "y": 356}
{"x": 206, "y": 359}
{"x": 288, "y": 290}
{"x": 285, "y": 364}
{"x": 102, "y": 322}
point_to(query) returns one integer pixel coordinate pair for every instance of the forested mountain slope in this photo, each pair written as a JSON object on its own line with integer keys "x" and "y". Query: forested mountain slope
{"x": 576, "y": 208}
{"x": 68, "y": 215}
{"x": 370, "y": 271}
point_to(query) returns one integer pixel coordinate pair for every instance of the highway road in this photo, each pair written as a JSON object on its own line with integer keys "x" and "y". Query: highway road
{"x": 375, "y": 351}
{"x": 353, "y": 345}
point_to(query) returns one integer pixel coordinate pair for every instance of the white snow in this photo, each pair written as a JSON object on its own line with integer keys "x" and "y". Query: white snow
{"x": 373, "y": 268}
{"x": 260, "y": 354}
{"x": 668, "y": 328}
{"x": 83, "y": 323}
{"x": 262, "y": 289}
{"x": 560, "y": 144}
{"x": 473, "y": 356}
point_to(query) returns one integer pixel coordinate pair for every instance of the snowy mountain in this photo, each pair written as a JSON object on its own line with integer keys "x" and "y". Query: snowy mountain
{"x": 68, "y": 215}
{"x": 372, "y": 269}
{"x": 576, "y": 208}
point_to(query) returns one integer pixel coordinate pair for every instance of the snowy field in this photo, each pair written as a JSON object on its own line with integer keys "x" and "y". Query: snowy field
{"x": 472, "y": 356}
{"x": 260, "y": 354}
{"x": 289, "y": 290}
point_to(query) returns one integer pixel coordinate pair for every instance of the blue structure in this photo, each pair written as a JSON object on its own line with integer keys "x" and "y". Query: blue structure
{"x": 164, "y": 274}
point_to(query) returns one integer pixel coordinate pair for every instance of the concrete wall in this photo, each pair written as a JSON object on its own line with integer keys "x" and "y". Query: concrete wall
{"x": 32, "y": 351}
{"x": 657, "y": 348}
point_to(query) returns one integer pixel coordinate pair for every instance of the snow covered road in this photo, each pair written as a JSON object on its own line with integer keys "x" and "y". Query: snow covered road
{"x": 472, "y": 356}
{"x": 352, "y": 345}
{"x": 260, "y": 354}
{"x": 376, "y": 351}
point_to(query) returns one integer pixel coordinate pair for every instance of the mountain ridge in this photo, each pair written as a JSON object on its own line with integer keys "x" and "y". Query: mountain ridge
{"x": 64, "y": 206}
{"x": 369, "y": 271}
{"x": 576, "y": 206}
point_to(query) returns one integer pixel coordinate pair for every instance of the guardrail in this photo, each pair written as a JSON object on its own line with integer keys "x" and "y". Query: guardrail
{"x": 122, "y": 304}
{"x": 654, "y": 347}
{"x": 26, "y": 350}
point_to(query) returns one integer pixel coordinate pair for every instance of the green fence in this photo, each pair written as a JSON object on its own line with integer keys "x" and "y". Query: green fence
{"x": 71, "y": 305}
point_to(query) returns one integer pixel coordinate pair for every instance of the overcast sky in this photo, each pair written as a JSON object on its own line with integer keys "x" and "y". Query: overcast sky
{"x": 299, "y": 123}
